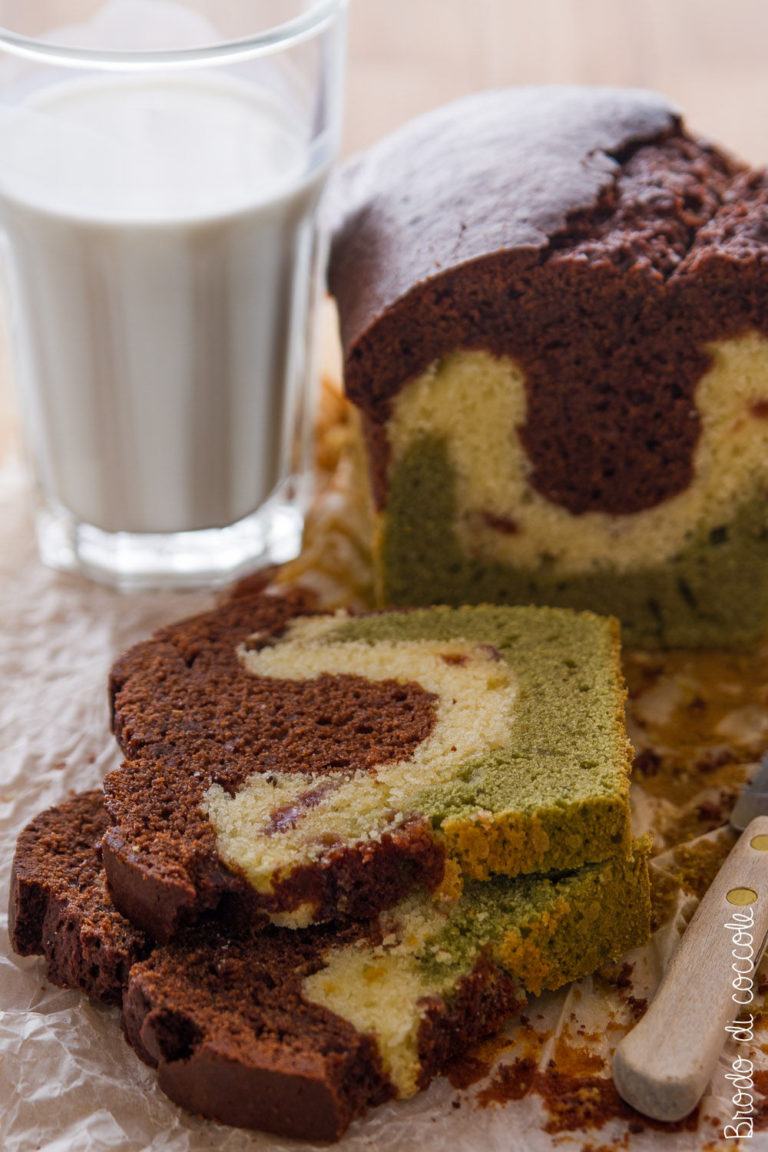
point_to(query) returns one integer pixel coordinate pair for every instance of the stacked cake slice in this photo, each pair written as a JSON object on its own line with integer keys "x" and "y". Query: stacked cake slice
{"x": 300, "y": 767}
{"x": 340, "y": 849}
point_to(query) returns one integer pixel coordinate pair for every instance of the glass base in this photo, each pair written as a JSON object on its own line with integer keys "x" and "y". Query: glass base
{"x": 206, "y": 558}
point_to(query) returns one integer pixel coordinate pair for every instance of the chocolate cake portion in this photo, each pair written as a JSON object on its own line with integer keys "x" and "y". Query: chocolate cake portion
{"x": 188, "y": 715}
{"x": 222, "y": 1018}
{"x": 496, "y": 172}
{"x": 222, "y": 1046}
{"x": 221, "y": 1014}
{"x": 553, "y": 309}
{"x": 59, "y": 907}
{"x": 299, "y": 1033}
{"x": 320, "y": 767}
{"x": 225, "y": 1021}
{"x": 725, "y": 270}
{"x": 552, "y": 196}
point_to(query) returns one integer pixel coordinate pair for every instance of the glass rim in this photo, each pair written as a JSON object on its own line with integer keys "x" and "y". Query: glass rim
{"x": 279, "y": 36}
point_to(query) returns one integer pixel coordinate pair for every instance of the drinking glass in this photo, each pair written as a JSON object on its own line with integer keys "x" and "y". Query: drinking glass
{"x": 162, "y": 162}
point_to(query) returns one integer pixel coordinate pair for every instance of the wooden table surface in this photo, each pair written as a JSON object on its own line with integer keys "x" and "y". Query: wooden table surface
{"x": 406, "y": 56}
{"x": 710, "y": 56}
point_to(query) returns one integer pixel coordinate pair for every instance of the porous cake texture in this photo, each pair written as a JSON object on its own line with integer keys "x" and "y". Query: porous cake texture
{"x": 299, "y": 1032}
{"x": 59, "y": 906}
{"x": 303, "y": 768}
{"x": 553, "y": 306}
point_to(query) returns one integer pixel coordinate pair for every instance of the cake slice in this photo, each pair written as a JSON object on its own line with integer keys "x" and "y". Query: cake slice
{"x": 554, "y": 312}
{"x": 304, "y": 768}
{"x": 59, "y": 906}
{"x": 300, "y": 1032}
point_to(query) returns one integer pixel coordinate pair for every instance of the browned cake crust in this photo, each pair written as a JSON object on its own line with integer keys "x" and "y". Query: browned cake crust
{"x": 221, "y": 1014}
{"x": 59, "y": 906}
{"x": 187, "y": 715}
{"x": 223, "y": 1018}
{"x": 580, "y": 231}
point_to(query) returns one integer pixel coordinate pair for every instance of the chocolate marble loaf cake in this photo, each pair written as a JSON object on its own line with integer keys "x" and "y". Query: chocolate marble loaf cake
{"x": 554, "y": 312}
{"x": 300, "y": 1032}
{"x": 307, "y": 767}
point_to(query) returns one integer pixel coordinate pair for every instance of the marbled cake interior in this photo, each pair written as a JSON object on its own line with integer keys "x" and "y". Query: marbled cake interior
{"x": 525, "y": 768}
{"x": 464, "y": 523}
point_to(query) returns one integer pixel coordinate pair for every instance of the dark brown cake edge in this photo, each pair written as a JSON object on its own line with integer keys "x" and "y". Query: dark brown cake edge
{"x": 413, "y": 285}
{"x": 483, "y": 1001}
{"x": 165, "y": 873}
{"x": 305, "y": 1095}
{"x": 49, "y": 916}
{"x": 160, "y": 905}
{"x": 295, "y": 1100}
{"x": 309, "y": 1099}
{"x": 346, "y": 884}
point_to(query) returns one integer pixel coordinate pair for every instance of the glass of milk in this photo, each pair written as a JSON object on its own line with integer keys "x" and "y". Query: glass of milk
{"x": 162, "y": 162}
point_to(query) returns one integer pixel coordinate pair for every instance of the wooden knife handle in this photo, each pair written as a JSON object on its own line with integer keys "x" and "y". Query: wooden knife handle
{"x": 664, "y": 1064}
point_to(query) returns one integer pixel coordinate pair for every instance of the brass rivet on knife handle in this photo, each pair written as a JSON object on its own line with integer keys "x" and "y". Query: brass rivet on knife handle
{"x": 741, "y": 895}
{"x": 662, "y": 1067}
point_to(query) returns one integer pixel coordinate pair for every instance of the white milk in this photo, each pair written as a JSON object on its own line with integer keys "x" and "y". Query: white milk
{"x": 160, "y": 240}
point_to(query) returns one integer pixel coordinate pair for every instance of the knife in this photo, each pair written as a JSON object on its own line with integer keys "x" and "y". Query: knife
{"x": 663, "y": 1066}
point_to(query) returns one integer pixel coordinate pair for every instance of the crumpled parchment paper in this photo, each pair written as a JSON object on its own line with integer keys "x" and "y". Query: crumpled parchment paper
{"x": 69, "y": 1083}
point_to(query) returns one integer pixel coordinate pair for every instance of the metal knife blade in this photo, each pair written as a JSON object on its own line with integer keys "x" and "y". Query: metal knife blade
{"x": 753, "y": 800}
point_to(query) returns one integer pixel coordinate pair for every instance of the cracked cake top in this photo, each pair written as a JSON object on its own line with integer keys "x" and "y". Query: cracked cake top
{"x": 581, "y": 232}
